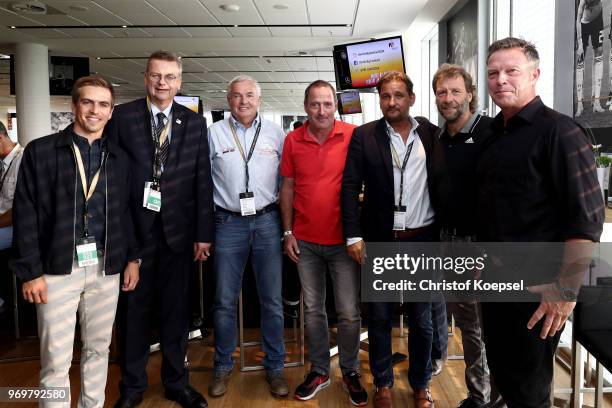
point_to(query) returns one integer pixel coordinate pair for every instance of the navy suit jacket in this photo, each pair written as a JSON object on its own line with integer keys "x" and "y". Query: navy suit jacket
{"x": 369, "y": 162}
{"x": 186, "y": 183}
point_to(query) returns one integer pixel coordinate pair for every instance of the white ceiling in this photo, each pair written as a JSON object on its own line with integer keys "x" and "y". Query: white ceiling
{"x": 269, "y": 54}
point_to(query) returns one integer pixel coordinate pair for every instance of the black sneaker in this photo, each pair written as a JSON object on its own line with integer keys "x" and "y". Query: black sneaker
{"x": 313, "y": 383}
{"x": 352, "y": 385}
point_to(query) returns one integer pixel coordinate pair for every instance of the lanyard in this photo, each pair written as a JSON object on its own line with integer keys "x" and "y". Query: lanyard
{"x": 8, "y": 168}
{"x": 241, "y": 150}
{"x": 87, "y": 192}
{"x": 402, "y": 166}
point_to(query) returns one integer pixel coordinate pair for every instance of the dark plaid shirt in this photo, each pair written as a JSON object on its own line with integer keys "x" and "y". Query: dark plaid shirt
{"x": 537, "y": 181}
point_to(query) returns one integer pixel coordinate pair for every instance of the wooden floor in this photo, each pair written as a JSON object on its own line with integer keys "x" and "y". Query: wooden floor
{"x": 249, "y": 390}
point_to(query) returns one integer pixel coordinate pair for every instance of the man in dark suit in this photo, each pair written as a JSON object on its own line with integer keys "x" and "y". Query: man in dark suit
{"x": 172, "y": 191}
{"x": 393, "y": 157}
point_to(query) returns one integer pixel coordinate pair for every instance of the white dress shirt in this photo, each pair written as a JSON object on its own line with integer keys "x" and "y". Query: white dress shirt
{"x": 228, "y": 172}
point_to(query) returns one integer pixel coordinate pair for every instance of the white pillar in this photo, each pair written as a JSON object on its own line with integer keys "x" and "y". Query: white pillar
{"x": 32, "y": 91}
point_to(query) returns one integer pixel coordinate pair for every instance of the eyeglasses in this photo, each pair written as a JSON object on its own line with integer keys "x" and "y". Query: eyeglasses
{"x": 169, "y": 78}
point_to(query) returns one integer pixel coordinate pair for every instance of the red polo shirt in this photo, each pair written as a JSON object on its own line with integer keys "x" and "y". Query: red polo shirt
{"x": 317, "y": 171}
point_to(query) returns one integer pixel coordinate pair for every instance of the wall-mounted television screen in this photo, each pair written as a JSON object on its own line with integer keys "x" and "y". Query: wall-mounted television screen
{"x": 360, "y": 65}
{"x": 63, "y": 73}
{"x": 191, "y": 102}
{"x": 349, "y": 102}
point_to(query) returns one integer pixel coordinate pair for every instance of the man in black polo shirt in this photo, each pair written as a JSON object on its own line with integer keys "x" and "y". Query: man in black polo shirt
{"x": 536, "y": 182}
{"x": 462, "y": 137}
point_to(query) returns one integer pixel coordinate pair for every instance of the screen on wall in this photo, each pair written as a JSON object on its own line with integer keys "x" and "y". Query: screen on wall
{"x": 63, "y": 73}
{"x": 349, "y": 103}
{"x": 190, "y": 102}
{"x": 360, "y": 65}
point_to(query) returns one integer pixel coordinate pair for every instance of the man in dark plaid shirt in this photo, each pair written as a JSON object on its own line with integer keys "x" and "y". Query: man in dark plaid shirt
{"x": 536, "y": 183}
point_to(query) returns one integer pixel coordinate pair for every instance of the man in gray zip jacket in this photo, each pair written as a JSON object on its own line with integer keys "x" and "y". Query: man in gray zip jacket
{"x": 73, "y": 232}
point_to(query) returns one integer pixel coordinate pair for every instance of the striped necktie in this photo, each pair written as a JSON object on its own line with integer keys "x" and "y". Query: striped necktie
{"x": 161, "y": 124}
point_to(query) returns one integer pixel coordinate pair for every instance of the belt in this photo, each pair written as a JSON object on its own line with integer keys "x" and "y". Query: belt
{"x": 268, "y": 208}
{"x": 410, "y": 233}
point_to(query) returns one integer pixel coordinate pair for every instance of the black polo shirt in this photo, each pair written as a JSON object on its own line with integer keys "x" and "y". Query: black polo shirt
{"x": 455, "y": 175}
{"x": 537, "y": 181}
{"x": 92, "y": 157}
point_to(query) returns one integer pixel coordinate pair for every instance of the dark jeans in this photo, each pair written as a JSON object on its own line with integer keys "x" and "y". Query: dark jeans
{"x": 420, "y": 336}
{"x": 521, "y": 363}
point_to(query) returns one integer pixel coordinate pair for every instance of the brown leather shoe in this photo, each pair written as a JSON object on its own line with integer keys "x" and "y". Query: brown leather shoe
{"x": 423, "y": 398}
{"x": 382, "y": 398}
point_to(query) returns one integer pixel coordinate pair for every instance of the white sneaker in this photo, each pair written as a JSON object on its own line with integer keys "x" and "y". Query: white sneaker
{"x": 579, "y": 109}
{"x": 597, "y": 107}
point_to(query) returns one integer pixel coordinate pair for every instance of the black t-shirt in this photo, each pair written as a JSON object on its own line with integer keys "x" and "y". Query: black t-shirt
{"x": 455, "y": 175}
{"x": 536, "y": 180}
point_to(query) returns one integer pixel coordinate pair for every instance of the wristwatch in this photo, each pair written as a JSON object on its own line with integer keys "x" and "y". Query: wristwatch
{"x": 569, "y": 294}
{"x": 288, "y": 232}
{"x": 136, "y": 261}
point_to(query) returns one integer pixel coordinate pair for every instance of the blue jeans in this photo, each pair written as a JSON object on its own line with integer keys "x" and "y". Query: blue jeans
{"x": 420, "y": 337}
{"x": 315, "y": 260}
{"x": 235, "y": 238}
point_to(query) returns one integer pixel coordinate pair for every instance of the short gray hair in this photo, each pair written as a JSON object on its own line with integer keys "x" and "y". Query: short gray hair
{"x": 3, "y": 129}
{"x": 244, "y": 78}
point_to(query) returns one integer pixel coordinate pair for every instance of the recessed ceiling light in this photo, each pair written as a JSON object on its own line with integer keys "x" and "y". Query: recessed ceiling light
{"x": 13, "y": 27}
{"x": 124, "y": 26}
{"x": 281, "y": 6}
{"x": 230, "y": 8}
{"x": 78, "y": 7}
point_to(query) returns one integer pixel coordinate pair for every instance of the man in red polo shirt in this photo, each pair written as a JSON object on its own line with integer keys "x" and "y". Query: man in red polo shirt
{"x": 312, "y": 166}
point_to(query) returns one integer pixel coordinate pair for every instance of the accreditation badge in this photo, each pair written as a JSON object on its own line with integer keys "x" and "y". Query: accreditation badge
{"x": 87, "y": 252}
{"x": 151, "y": 197}
{"x": 399, "y": 218}
{"x": 247, "y": 204}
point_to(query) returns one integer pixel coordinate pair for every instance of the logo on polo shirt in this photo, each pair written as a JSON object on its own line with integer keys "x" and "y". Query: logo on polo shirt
{"x": 470, "y": 140}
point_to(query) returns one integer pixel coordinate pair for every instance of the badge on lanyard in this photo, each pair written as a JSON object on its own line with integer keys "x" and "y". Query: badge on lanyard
{"x": 86, "y": 249}
{"x": 151, "y": 198}
{"x": 247, "y": 199}
{"x": 87, "y": 252}
{"x": 399, "y": 218}
{"x": 247, "y": 203}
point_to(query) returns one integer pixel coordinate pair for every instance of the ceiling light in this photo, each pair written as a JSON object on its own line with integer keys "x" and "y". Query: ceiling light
{"x": 78, "y": 7}
{"x": 13, "y": 27}
{"x": 230, "y": 8}
{"x": 281, "y": 6}
{"x": 29, "y": 7}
